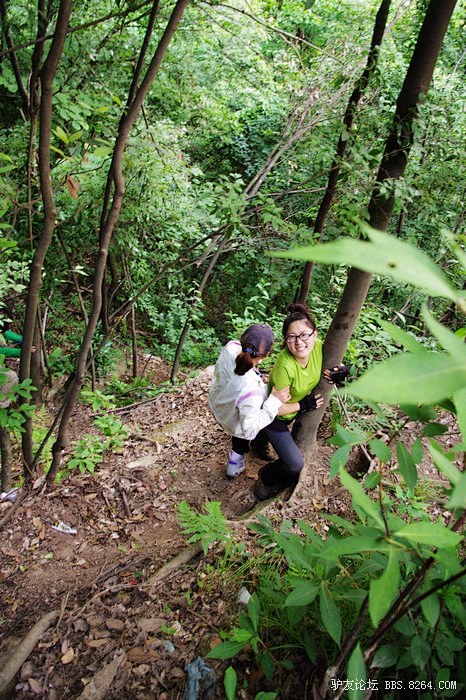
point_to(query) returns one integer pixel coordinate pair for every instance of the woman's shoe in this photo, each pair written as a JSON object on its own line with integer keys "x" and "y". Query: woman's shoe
{"x": 263, "y": 491}
{"x": 235, "y": 466}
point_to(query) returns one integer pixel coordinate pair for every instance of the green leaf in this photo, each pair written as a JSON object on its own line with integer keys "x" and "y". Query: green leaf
{"x": 357, "y": 673}
{"x": 339, "y": 459}
{"x": 406, "y": 465}
{"x": 303, "y": 594}
{"x": 420, "y": 651}
{"x": 411, "y": 378}
{"x": 102, "y": 151}
{"x": 330, "y": 615}
{"x": 225, "y": 650}
{"x": 419, "y": 413}
{"x": 229, "y": 682}
{"x": 431, "y": 608}
{"x": 443, "y": 464}
{"x": 432, "y": 534}
{"x": 380, "y": 450}
{"x": 310, "y": 645}
{"x": 459, "y": 399}
{"x": 354, "y": 544}
{"x": 402, "y": 337}
{"x": 448, "y": 340}
{"x": 62, "y": 135}
{"x": 371, "y": 480}
{"x": 385, "y": 656}
{"x": 360, "y": 498}
{"x": 294, "y": 552}
{"x": 382, "y": 591}
{"x": 383, "y": 255}
{"x": 458, "y": 497}
{"x": 432, "y": 429}
{"x": 417, "y": 452}
{"x": 254, "y": 610}
{"x": 268, "y": 665}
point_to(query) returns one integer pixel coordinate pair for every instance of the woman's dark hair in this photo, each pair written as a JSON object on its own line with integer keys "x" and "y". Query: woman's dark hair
{"x": 297, "y": 312}
{"x": 256, "y": 341}
{"x": 244, "y": 362}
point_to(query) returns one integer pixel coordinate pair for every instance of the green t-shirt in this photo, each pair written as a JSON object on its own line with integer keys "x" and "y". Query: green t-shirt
{"x": 288, "y": 372}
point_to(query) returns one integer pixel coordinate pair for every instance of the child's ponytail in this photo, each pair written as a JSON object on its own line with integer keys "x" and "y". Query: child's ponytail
{"x": 256, "y": 341}
{"x": 243, "y": 363}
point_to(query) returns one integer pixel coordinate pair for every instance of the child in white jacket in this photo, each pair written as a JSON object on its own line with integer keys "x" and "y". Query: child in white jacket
{"x": 238, "y": 397}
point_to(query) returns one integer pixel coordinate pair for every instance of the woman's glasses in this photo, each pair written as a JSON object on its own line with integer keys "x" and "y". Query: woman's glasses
{"x": 292, "y": 338}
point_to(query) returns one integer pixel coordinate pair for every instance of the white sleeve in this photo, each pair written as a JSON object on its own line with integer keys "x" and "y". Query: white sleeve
{"x": 255, "y": 413}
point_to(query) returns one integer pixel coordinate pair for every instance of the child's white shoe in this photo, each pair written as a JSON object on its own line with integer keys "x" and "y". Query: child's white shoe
{"x": 235, "y": 465}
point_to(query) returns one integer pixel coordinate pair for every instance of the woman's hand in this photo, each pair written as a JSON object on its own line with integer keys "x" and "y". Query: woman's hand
{"x": 310, "y": 403}
{"x": 337, "y": 375}
{"x": 282, "y": 394}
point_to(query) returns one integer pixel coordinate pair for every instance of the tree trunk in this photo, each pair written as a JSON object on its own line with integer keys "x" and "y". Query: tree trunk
{"x": 394, "y": 159}
{"x": 109, "y": 218}
{"x": 327, "y": 199}
{"x": 194, "y": 305}
{"x": 6, "y": 459}
{"x": 35, "y": 279}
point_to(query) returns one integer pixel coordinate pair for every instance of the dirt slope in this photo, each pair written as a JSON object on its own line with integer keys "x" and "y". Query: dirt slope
{"x": 121, "y": 630}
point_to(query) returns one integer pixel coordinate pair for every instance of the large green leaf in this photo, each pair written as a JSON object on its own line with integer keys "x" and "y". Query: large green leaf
{"x": 357, "y": 674}
{"x": 385, "y": 656}
{"x": 406, "y": 465}
{"x": 448, "y": 340}
{"x": 430, "y": 606}
{"x": 360, "y": 498}
{"x": 254, "y": 610}
{"x": 443, "y": 464}
{"x": 294, "y": 552}
{"x": 459, "y": 399}
{"x": 330, "y": 614}
{"x": 432, "y": 534}
{"x": 303, "y": 593}
{"x": 339, "y": 459}
{"x": 229, "y": 682}
{"x": 355, "y": 544}
{"x": 420, "y": 651}
{"x": 225, "y": 650}
{"x": 411, "y": 378}
{"x": 382, "y": 254}
{"x": 383, "y": 590}
{"x": 380, "y": 450}
{"x": 402, "y": 337}
{"x": 458, "y": 497}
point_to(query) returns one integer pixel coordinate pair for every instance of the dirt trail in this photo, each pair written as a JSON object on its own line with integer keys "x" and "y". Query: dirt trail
{"x": 121, "y": 631}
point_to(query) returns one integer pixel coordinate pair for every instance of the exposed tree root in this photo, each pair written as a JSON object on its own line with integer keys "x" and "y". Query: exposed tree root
{"x": 23, "y": 650}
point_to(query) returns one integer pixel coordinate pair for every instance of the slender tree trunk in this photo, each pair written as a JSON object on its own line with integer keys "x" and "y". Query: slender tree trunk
{"x": 194, "y": 305}
{"x": 327, "y": 199}
{"x": 134, "y": 343}
{"x": 35, "y": 279}
{"x": 109, "y": 218}
{"x": 6, "y": 459}
{"x": 394, "y": 159}
{"x": 106, "y": 294}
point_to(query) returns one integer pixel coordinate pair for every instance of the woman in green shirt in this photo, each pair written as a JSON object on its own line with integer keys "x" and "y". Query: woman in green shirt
{"x": 299, "y": 366}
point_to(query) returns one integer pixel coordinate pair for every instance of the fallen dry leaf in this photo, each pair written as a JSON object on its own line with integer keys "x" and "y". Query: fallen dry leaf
{"x": 95, "y": 643}
{"x": 141, "y": 654}
{"x": 68, "y": 656}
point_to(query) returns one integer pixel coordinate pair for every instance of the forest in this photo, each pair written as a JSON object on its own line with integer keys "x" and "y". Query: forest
{"x": 172, "y": 172}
